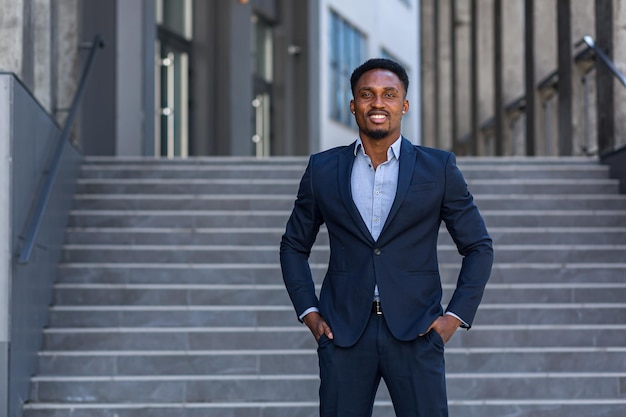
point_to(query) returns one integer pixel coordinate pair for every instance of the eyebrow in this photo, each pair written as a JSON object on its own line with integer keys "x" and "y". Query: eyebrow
{"x": 384, "y": 88}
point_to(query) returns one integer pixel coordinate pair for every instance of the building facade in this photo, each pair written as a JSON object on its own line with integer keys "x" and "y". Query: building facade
{"x": 516, "y": 77}
{"x": 184, "y": 78}
{"x": 175, "y": 79}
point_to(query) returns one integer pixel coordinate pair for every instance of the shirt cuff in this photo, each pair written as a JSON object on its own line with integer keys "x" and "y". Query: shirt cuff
{"x": 464, "y": 325}
{"x": 307, "y": 311}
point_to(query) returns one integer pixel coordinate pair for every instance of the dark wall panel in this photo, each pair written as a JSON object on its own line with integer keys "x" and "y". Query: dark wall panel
{"x": 97, "y": 116}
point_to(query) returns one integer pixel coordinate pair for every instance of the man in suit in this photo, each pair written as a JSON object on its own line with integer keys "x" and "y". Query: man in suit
{"x": 379, "y": 312}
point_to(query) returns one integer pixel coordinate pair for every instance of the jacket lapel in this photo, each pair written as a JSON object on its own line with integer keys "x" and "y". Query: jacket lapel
{"x": 405, "y": 173}
{"x": 344, "y": 174}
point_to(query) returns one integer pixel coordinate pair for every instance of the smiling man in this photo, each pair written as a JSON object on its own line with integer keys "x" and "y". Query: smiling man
{"x": 379, "y": 313}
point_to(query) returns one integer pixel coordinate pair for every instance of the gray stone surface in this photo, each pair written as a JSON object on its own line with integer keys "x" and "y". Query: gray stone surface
{"x": 169, "y": 299}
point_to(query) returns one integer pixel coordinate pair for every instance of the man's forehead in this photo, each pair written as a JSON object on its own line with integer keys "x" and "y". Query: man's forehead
{"x": 376, "y": 76}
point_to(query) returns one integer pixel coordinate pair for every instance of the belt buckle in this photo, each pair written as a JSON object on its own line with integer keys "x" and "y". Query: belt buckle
{"x": 377, "y": 308}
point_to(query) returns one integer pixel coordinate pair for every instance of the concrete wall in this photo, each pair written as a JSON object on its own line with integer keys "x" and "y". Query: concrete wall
{"x": 66, "y": 56}
{"x": 293, "y": 116}
{"x": 42, "y": 51}
{"x": 204, "y": 107}
{"x": 27, "y": 139}
{"x": 39, "y": 43}
{"x": 99, "y": 105}
{"x": 11, "y": 34}
{"x": 130, "y": 71}
{"x": 6, "y": 231}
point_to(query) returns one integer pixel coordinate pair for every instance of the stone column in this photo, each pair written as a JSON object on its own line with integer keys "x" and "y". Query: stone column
{"x": 498, "y": 80}
{"x": 513, "y": 72}
{"x": 428, "y": 75}
{"x": 462, "y": 87}
{"x": 584, "y": 138}
{"x": 529, "y": 74}
{"x": 565, "y": 72}
{"x": 42, "y": 52}
{"x": 11, "y": 36}
{"x": 619, "y": 57}
{"x": 444, "y": 122}
{"x": 605, "y": 120}
{"x": 545, "y": 63}
{"x": 65, "y": 55}
{"x": 485, "y": 69}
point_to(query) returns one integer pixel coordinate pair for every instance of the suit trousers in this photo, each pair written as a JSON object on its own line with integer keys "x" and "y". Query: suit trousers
{"x": 413, "y": 371}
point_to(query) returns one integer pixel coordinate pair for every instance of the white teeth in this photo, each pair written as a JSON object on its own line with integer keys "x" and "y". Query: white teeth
{"x": 378, "y": 116}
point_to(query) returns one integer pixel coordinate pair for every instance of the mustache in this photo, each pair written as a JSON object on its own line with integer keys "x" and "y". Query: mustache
{"x": 377, "y": 112}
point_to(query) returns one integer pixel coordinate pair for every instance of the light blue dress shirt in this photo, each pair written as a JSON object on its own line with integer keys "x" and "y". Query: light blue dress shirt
{"x": 373, "y": 190}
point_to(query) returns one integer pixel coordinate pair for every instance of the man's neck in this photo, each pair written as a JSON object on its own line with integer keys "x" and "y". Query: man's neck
{"x": 377, "y": 149}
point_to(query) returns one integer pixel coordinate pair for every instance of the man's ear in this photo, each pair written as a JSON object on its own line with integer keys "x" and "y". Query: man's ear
{"x": 352, "y": 106}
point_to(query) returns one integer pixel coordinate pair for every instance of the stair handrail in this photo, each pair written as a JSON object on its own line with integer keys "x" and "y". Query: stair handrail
{"x": 588, "y": 40}
{"x": 551, "y": 81}
{"x": 44, "y": 194}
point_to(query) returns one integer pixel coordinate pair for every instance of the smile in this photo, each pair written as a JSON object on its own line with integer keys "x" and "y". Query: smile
{"x": 378, "y": 117}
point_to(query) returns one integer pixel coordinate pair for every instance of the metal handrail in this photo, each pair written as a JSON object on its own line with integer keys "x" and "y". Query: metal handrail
{"x": 551, "y": 82}
{"x": 588, "y": 40}
{"x": 44, "y": 194}
{"x": 592, "y": 53}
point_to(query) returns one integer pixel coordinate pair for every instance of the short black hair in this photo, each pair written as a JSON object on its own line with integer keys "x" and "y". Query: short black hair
{"x": 380, "y": 63}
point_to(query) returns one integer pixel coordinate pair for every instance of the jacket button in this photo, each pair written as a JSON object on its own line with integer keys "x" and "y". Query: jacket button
{"x": 377, "y": 251}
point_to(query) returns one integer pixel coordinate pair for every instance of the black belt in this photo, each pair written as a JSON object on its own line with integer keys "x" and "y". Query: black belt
{"x": 376, "y": 308}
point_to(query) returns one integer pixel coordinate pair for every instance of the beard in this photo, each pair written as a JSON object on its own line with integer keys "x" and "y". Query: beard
{"x": 377, "y": 134}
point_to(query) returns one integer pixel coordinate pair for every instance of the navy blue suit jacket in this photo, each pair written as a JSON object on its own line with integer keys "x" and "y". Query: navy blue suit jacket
{"x": 403, "y": 261}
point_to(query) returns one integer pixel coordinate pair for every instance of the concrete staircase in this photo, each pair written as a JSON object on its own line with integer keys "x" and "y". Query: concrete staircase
{"x": 169, "y": 299}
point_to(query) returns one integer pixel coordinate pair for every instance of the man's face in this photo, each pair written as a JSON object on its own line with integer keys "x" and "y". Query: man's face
{"x": 379, "y": 104}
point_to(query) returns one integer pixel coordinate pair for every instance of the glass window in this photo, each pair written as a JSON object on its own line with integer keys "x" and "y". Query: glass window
{"x": 347, "y": 51}
{"x": 176, "y": 16}
{"x": 262, "y": 49}
{"x": 262, "y": 56}
{"x": 173, "y": 48}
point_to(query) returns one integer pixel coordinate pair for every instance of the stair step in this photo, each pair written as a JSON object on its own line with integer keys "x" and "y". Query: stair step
{"x": 231, "y": 171}
{"x": 169, "y": 299}
{"x": 285, "y": 201}
{"x": 275, "y": 294}
{"x": 270, "y": 253}
{"x": 290, "y": 186}
{"x": 222, "y": 273}
{"x": 186, "y": 315}
{"x": 302, "y": 359}
{"x": 588, "y": 407}
{"x": 272, "y": 235}
{"x": 277, "y": 218}
{"x": 257, "y": 388}
{"x": 203, "y": 338}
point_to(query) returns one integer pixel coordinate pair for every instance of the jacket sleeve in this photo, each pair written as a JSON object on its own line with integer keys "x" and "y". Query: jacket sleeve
{"x": 295, "y": 247}
{"x": 467, "y": 228}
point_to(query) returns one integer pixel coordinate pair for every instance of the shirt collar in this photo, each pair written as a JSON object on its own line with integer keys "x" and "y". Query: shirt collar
{"x": 394, "y": 149}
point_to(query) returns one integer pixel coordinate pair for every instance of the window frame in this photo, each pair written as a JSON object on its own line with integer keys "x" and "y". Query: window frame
{"x": 347, "y": 51}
